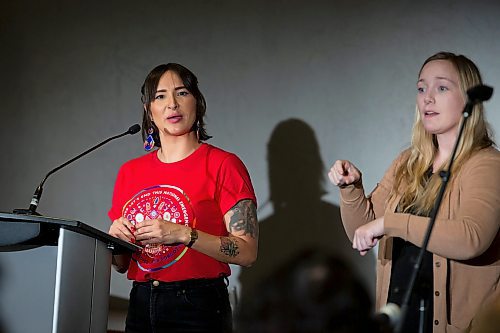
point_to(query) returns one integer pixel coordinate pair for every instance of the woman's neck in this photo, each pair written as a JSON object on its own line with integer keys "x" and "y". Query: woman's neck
{"x": 174, "y": 149}
{"x": 446, "y": 143}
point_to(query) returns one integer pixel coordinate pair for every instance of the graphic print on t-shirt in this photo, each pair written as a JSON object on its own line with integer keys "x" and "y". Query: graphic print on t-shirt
{"x": 165, "y": 202}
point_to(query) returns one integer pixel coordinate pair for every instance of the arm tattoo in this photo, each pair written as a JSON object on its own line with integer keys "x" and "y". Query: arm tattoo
{"x": 244, "y": 218}
{"x": 229, "y": 247}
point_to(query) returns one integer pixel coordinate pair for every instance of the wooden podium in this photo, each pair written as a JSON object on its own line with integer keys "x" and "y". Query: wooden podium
{"x": 54, "y": 274}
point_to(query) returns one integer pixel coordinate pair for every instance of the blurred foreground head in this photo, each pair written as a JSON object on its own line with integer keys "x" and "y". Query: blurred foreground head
{"x": 313, "y": 292}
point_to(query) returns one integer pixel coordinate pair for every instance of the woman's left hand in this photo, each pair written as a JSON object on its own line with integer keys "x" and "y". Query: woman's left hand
{"x": 367, "y": 236}
{"x": 161, "y": 231}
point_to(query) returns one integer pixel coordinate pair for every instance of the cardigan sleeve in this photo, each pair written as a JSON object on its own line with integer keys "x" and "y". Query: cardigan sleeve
{"x": 357, "y": 209}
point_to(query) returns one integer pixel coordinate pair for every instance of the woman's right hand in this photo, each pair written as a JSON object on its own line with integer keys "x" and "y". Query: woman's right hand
{"x": 123, "y": 229}
{"x": 343, "y": 173}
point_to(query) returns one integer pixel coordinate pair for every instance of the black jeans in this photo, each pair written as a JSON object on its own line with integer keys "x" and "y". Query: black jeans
{"x": 200, "y": 305}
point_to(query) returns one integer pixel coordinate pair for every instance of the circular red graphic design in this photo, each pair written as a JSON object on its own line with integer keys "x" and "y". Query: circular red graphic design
{"x": 164, "y": 202}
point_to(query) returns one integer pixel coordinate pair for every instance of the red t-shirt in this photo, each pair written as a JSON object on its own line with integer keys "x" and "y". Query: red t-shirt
{"x": 196, "y": 191}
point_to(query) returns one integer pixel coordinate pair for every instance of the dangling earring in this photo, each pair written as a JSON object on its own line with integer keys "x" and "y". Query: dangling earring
{"x": 198, "y": 130}
{"x": 149, "y": 143}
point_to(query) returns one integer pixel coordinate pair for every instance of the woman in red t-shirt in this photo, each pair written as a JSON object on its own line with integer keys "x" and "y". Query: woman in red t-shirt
{"x": 192, "y": 208}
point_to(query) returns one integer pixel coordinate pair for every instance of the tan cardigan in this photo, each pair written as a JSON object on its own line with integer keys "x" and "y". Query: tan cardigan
{"x": 465, "y": 241}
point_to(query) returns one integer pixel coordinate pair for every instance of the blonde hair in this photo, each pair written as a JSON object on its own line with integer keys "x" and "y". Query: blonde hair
{"x": 418, "y": 193}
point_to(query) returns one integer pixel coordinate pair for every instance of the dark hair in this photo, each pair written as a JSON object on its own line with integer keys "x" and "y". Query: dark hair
{"x": 148, "y": 91}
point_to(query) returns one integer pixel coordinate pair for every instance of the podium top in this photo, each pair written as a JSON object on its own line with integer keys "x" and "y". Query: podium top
{"x": 53, "y": 224}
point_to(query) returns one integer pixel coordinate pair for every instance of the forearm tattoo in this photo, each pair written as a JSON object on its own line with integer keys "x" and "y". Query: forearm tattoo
{"x": 229, "y": 247}
{"x": 244, "y": 219}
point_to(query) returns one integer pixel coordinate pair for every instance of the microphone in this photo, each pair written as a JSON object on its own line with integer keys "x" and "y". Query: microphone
{"x": 388, "y": 317}
{"x": 479, "y": 93}
{"x": 475, "y": 95}
{"x": 38, "y": 192}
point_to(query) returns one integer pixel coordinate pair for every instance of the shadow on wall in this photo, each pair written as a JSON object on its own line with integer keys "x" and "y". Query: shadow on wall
{"x": 301, "y": 219}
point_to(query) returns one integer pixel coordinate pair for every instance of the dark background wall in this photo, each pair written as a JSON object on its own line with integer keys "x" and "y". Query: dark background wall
{"x": 291, "y": 86}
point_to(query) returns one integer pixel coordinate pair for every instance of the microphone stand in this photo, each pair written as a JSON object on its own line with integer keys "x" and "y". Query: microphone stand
{"x": 38, "y": 192}
{"x": 475, "y": 95}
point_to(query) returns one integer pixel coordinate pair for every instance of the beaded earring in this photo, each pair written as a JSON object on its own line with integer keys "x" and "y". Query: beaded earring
{"x": 149, "y": 143}
{"x": 198, "y": 131}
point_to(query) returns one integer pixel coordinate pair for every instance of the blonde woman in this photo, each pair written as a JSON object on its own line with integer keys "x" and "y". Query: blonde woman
{"x": 460, "y": 271}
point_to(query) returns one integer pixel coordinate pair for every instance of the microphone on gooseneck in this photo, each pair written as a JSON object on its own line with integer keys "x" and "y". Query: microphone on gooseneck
{"x": 38, "y": 192}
